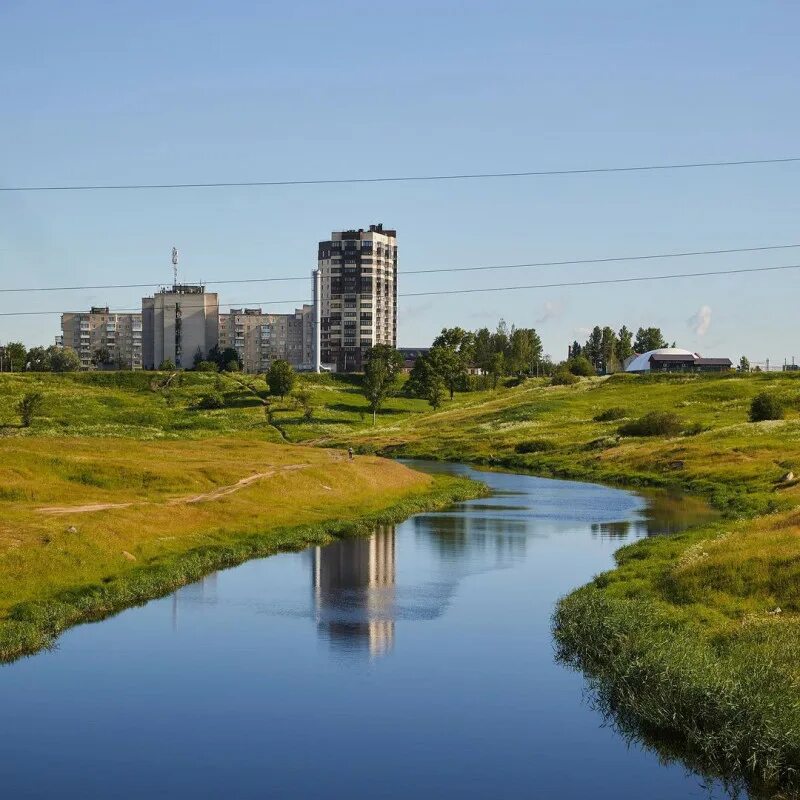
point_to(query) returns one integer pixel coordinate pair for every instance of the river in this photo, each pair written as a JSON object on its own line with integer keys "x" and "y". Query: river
{"x": 415, "y": 663}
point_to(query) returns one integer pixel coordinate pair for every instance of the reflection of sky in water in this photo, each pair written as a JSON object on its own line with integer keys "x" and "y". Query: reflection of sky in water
{"x": 425, "y": 649}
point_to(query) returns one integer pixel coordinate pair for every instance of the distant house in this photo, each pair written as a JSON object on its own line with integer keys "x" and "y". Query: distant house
{"x": 673, "y": 359}
{"x": 410, "y": 356}
{"x": 474, "y": 369}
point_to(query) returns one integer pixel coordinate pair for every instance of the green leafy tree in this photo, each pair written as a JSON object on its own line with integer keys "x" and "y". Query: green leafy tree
{"x": 649, "y": 339}
{"x": 607, "y": 350}
{"x": 64, "y": 359}
{"x": 524, "y": 350}
{"x": 14, "y": 357}
{"x": 28, "y": 407}
{"x": 497, "y": 368}
{"x": 101, "y": 356}
{"x": 425, "y": 382}
{"x": 744, "y": 364}
{"x": 380, "y": 376}
{"x": 280, "y": 377}
{"x": 450, "y": 356}
{"x": 39, "y": 359}
{"x": 484, "y": 350}
{"x": 580, "y": 365}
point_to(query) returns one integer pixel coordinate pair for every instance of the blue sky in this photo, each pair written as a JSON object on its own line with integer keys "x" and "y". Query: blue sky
{"x": 97, "y": 92}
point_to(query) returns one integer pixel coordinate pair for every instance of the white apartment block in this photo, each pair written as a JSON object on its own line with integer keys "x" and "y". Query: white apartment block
{"x": 178, "y": 323}
{"x": 261, "y": 338}
{"x": 103, "y": 339}
{"x": 358, "y": 292}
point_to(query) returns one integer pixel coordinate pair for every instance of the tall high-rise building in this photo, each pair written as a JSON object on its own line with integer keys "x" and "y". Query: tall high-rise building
{"x": 103, "y": 339}
{"x": 178, "y": 323}
{"x": 261, "y": 338}
{"x": 358, "y": 293}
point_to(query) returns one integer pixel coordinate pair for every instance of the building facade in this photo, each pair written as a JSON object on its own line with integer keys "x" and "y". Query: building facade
{"x": 178, "y": 323}
{"x": 261, "y": 338}
{"x": 358, "y": 293}
{"x": 103, "y": 339}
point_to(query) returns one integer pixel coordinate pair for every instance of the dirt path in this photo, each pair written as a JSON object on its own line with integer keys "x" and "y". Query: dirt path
{"x": 215, "y": 494}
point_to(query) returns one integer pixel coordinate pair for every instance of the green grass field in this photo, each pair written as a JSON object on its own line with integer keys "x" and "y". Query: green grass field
{"x": 683, "y": 640}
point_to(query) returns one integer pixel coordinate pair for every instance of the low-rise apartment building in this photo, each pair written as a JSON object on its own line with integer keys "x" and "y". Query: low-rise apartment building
{"x": 103, "y": 339}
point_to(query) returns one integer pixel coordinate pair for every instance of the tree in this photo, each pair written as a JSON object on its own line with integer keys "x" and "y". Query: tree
{"x": 39, "y": 359}
{"x": 101, "y": 356}
{"x": 607, "y": 355}
{"x": 744, "y": 364}
{"x": 425, "y": 382}
{"x": 580, "y": 366}
{"x": 593, "y": 349}
{"x": 623, "y": 347}
{"x": 484, "y": 350}
{"x": 380, "y": 375}
{"x": 524, "y": 349}
{"x": 649, "y": 339}
{"x": 28, "y": 407}
{"x": 497, "y": 368}
{"x": 64, "y": 359}
{"x": 223, "y": 358}
{"x": 280, "y": 377}
{"x": 14, "y": 357}
{"x": 450, "y": 356}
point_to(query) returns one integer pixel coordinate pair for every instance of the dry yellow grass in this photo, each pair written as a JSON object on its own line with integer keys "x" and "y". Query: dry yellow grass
{"x": 79, "y": 511}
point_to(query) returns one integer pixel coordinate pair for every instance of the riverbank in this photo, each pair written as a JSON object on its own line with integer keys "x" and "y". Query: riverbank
{"x": 684, "y": 639}
{"x": 91, "y": 526}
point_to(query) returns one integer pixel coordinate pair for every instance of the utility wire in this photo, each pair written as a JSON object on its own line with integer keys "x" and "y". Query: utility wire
{"x": 429, "y": 271}
{"x": 399, "y": 179}
{"x": 598, "y": 282}
{"x": 604, "y": 281}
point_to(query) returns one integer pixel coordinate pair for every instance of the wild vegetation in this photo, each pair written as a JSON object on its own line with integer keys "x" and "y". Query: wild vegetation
{"x": 683, "y": 639}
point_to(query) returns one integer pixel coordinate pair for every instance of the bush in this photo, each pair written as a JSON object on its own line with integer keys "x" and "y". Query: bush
{"x": 535, "y": 446}
{"x": 581, "y": 366}
{"x": 167, "y": 365}
{"x": 563, "y": 377}
{"x": 210, "y": 401}
{"x": 656, "y": 423}
{"x": 610, "y": 414}
{"x": 765, "y": 406}
{"x": 205, "y": 366}
{"x": 29, "y": 406}
{"x": 696, "y": 428}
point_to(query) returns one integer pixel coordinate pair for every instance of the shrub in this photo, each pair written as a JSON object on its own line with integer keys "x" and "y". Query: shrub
{"x": 695, "y": 428}
{"x": 29, "y": 406}
{"x": 656, "y": 423}
{"x": 610, "y": 414}
{"x": 580, "y": 365}
{"x": 210, "y": 401}
{"x": 765, "y": 406}
{"x": 535, "y": 446}
{"x": 563, "y": 377}
{"x": 205, "y": 366}
{"x": 167, "y": 365}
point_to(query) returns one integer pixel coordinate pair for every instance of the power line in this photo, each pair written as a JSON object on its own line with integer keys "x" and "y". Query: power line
{"x": 597, "y": 282}
{"x": 604, "y": 281}
{"x": 428, "y": 271}
{"x": 399, "y": 179}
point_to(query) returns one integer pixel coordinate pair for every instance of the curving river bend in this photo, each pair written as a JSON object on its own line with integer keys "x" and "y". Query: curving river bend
{"x": 414, "y": 663}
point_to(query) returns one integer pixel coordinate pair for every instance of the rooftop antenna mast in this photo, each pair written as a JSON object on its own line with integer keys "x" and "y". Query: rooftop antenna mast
{"x": 174, "y": 266}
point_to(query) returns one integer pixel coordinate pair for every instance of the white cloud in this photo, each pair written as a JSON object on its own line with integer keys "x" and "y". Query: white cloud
{"x": 550, "y": 310}
{"x": 700, "y": 321}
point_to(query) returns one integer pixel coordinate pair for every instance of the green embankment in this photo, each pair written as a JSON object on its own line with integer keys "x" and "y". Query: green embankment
{"x": 683, "y": 641}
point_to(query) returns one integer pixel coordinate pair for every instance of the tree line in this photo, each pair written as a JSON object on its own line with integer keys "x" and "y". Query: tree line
{"x": 607, "y": 350}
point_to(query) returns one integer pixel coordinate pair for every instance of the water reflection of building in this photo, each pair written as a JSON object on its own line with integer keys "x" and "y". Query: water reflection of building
{"x": 202, "y": 591}
{"x": 354, "y": 591}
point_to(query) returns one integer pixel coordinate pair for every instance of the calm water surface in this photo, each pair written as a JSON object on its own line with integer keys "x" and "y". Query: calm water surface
{"x": 416, "y": 663}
